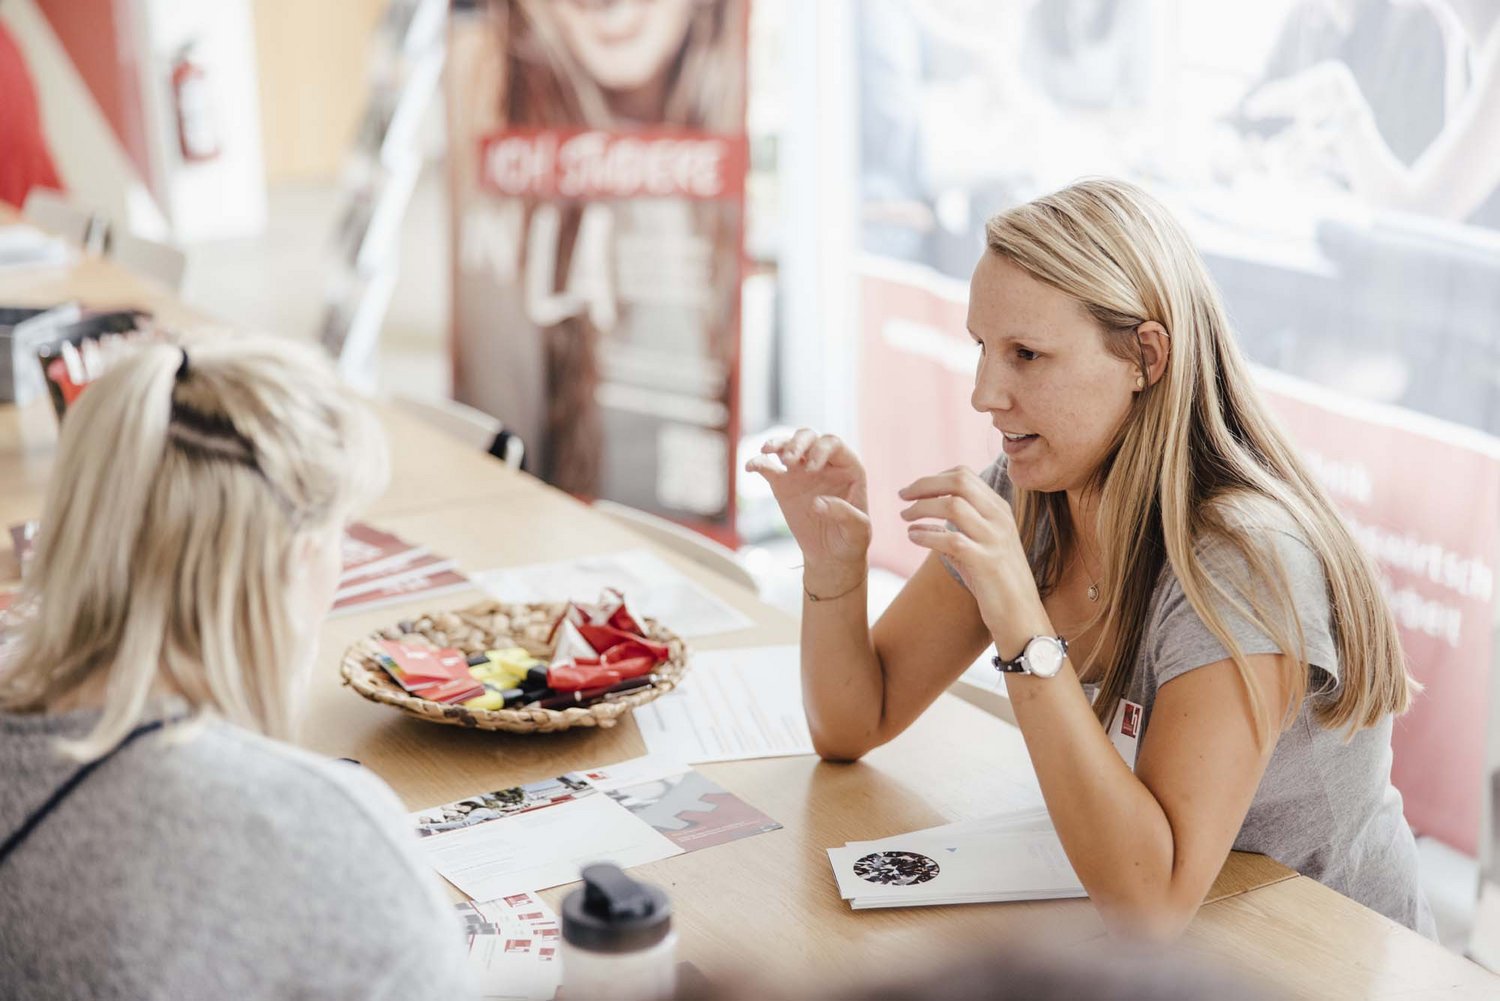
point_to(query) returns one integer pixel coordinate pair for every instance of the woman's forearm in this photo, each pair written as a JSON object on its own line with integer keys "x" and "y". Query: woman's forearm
{"x": 1115, "y": 832}
{"x": 843, "y": 688}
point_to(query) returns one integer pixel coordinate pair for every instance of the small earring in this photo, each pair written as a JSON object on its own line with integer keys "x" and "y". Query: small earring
{"x": 1140, "y": 382}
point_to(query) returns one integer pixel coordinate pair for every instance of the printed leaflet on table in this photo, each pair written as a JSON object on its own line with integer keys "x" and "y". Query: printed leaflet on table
{"x": 383, "y": 569}
{"x": 1010, "y": 853}
{"x": 539, "y": 835}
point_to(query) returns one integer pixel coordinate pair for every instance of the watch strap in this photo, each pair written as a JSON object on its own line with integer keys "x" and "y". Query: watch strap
{"x": 1018, "y": 665}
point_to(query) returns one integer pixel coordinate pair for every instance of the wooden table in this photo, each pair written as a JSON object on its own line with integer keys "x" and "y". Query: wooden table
{"x": 768, "y": 903}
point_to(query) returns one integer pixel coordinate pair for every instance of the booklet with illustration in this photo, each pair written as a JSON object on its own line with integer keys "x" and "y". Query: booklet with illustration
{"x": 540, "y": 835}
{"x": 1011, "y": 856}
{"x": 684, "y": 805}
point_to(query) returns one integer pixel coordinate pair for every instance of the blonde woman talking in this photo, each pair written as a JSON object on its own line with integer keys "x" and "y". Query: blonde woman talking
{"x": 1148, "y": 535}
{"x": 157, "y": 837}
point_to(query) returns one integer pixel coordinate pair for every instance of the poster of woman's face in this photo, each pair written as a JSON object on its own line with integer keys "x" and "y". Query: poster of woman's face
{"x": 624, "y": 45}
{"x": 598, "y": 227}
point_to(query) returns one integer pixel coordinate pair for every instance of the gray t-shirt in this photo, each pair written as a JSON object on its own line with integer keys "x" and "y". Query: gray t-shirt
{"x": 1324, "y": 807}
{"x": 218, "y": 864}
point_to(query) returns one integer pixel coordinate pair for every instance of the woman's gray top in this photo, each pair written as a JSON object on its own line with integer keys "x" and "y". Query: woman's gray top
{"x": 213, "y": 863}
{"x": 1325, "y": 808}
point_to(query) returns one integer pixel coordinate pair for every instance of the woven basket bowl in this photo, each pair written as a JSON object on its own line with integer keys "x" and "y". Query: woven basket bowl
{"x": 488, "y": 626}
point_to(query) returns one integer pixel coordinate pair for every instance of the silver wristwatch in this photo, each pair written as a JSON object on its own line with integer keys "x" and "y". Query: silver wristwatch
{"x": 1042, "y": 657}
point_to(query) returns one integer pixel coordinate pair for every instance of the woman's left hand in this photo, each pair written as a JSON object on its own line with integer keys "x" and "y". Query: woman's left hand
{"x": 985, "y": 547}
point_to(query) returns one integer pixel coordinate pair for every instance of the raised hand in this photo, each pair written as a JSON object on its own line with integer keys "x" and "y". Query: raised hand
{"x": 820, "y": 485}
{"x": 959, "y": 515}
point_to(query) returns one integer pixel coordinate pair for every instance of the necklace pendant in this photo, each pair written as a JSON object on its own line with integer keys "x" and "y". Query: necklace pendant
{"x": 1093, "y": 592}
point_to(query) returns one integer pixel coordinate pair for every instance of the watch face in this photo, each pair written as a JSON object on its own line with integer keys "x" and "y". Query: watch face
{"x": 1044, "y": 657}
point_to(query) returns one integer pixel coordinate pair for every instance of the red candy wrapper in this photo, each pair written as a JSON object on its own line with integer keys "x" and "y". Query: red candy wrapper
{"x": 596, "y": 646}
{"x": 576, "y": 676}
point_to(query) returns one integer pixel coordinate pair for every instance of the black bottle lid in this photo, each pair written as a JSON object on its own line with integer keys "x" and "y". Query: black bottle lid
{"x": 614, "y": 913}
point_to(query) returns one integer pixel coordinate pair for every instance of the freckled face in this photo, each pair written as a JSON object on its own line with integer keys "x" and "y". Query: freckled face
{"x": 1044, "y": 373}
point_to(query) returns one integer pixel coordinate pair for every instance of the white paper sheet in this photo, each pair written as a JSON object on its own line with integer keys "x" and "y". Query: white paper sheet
{"x": 1027, "y": 819}
{"x": 650, "y": 585}
{"x": 733, "y": 704}
{"x": 649, "y": 768}
{"x": 916, "y": 870}
{"x": 542, "y": 848}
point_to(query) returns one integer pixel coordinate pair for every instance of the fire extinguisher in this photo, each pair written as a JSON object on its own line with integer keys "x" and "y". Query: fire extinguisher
{"x": 197, "y": 125}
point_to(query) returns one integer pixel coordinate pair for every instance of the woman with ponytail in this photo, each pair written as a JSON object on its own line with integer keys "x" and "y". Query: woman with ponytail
{"x": 157, "y": 837}
{"x": 1148, "y": 557}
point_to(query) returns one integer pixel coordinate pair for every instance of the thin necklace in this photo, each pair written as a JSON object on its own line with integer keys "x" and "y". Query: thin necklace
{"x": 1093, "y": 591}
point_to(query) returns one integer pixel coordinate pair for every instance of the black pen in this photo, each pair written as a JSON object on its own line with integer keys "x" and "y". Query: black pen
{"x": 589, "y": 695}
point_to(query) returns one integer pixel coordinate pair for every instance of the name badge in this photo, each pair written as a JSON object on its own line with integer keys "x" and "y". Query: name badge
{"x": 1125, "y": 730}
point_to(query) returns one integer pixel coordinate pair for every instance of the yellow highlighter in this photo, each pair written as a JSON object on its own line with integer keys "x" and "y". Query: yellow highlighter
{"x": 508, "y": 667}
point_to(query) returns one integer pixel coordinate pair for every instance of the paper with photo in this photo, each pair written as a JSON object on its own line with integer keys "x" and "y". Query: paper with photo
{"x": 684, "y": 805}
{"x": 653, "y": 587}
{"x": 732, "y": 705}
{"x": 543, "y": 847}
{"x": 488, "y": 806}
{"x": 513, "y": 948}
{"x": 911, "y": 871}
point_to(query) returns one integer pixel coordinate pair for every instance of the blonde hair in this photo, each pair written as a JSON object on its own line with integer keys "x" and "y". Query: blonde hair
{"x": 1197, "y": 462}
{"x": 179, "y": 493}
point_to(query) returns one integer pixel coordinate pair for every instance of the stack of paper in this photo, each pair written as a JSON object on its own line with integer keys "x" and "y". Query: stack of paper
{"x": 513, "y": 946}
{"x": 1014, "y": 856}
{"x": 381, "y": 569}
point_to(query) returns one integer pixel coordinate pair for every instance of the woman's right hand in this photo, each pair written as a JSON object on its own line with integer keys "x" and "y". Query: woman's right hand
{"x": 820, "y": 486}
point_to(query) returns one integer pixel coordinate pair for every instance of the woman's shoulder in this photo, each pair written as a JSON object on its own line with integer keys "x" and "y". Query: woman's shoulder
{"x": 1245, "y": 529}
{"x": 1251, "y": 549}
{"x": 292, "y": 781}
{"x": 306, "y": 810}
{"x": 330, "y": 828}
{"x": 1257, "y": 559}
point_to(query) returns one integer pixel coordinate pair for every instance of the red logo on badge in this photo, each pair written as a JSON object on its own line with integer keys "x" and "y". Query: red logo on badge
{"x": 1131, "y": 722}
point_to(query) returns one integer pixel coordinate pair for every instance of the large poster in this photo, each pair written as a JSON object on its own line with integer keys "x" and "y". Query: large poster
{"x": 1337, "y": 163}
{"x": 599, "y": 157}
